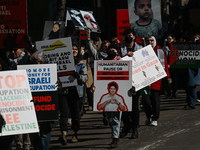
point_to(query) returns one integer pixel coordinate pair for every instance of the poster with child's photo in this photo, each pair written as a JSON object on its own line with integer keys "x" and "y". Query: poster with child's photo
{"x": 90, "y": 21}
{"x": 145, "y": 17}
{"x": 53, "y": 30}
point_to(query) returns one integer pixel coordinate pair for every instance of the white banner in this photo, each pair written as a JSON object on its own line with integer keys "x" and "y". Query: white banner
{"x": 15, "y": 105}
{"x": 146, "y": 68}
{"x": 59, "y": 51}
{"x": 112, "y": 80}
{"x": 41, "y": 77}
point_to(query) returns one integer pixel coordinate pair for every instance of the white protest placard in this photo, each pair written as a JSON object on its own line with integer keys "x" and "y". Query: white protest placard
{"x": 41, "y": 77}
{"x": 146, "y": 68}
{"x": 15, "y": 105}
{"x": 112, "y": 80}
{"x": 59, "y": 51}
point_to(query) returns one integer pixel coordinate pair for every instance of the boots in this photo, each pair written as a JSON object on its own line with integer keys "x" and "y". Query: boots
{"x": 135, "y": 133}
{"x": 62, "y": 139}
{"x": 74, "y": 137}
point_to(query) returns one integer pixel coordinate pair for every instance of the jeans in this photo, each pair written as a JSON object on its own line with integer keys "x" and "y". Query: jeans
{"x": 42, "y": 141}
{"x": 191, "y": 95}
{"x": 23, "y": 141}
{"x": 114, "y": 119}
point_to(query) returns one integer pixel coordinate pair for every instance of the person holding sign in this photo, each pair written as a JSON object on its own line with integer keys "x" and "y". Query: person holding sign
{"x": 130, "y": 119}
{"x": 18, "y": 56}
{"x": 151, "y": 103}
{"x": 113, "y": 117}
{"x": 112, "y": 101}
{"x": 40, "y": 140}
{"x": 70, "y": 98}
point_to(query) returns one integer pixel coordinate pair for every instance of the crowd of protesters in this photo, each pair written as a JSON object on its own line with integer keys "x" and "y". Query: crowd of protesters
{"x": 72, "y": 100}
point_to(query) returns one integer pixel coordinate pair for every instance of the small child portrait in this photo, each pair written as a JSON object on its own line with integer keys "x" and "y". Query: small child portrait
{"x": 55, "y": 33}
{"x": 90, "y": 22}
{"x": 53, "y": 30}
{"x": 145, "y": 26}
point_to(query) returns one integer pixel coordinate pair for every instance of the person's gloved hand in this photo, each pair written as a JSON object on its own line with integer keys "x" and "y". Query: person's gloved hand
{"x": 76, "y": 75}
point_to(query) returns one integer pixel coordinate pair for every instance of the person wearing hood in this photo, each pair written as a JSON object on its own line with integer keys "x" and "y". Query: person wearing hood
{"x": 151, "y": 103}
{"x": 70, "y": 98}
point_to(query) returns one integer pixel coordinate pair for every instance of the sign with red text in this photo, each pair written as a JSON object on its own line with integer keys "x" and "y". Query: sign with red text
{"x": 13, "y": 22}
{"x": 146, "y": 68}
{"x": 46, "y": 106}
{"x": 59, "y": 51}
{"x": 122, "y": 22}
{"x": 41, "y": 77}
{"x": 15, "y": 103}
{"x": 112, "y": 81}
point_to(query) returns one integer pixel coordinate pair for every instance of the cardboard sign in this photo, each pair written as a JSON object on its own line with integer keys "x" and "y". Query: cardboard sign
{"x": 83, "y": 20}
{"x": 13, "y": 22}
{"x": 59, "y": 51}
{"x": 15, "y": 105}
{"x": 41, "y": 77}
{"x": 112, "y": 80}
{"x": 46, "y": 106}
{"x": 146, "y": 68}
{"x": 122, "y": 22}
{"x": 185, "y": 55}
{"x": 54, "y": 30}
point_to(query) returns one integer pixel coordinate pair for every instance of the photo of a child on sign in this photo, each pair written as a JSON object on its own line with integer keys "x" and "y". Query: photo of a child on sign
{"x": 145, "y": 17}
{"x": 90, "y": 21}
{"x": 112, "y": 101}
{"x": 53, "y": 30}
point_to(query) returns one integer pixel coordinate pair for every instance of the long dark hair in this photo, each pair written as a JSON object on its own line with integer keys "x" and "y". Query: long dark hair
{"x": 78, "y": 58}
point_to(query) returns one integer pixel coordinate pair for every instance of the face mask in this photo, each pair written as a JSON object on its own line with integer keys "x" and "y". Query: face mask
{"x": 111, "y": 54}
{"x": 128, "y": 39}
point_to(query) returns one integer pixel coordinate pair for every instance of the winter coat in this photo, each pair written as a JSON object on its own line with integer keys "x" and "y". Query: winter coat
{"x": 80, "y": 68}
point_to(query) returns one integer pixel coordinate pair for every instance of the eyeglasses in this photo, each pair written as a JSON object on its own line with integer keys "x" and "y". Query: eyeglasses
{"x": 169, "y": 38}
{"x": 105, "y": 46}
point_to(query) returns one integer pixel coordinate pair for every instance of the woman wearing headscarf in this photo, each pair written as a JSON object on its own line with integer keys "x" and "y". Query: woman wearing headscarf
{"x": 151, "y": 103}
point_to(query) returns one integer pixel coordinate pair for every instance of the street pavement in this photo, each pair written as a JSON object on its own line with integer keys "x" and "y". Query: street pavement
{"x": 178, "y": 129}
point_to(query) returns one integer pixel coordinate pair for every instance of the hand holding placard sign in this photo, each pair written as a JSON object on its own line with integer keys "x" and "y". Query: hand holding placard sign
{"x": 15, "y": 105}
{"x": 59, "y": 51}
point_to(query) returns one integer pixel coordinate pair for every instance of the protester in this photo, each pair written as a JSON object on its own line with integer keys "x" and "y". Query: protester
{"x": 114, "y": 118}
{"x": 192, "y": 80}
{"x": 41, "y": 140}
{"x": 89, "y": 84}
{"x": 101, "y": 55}
{"x": 17, "y": 56}
{"x": 171, "y": 86}
{"x": 151, "y": 103}
{"x": 130, "y": 119}
{"x": 5, "y": 141}
{"x": 69, "y": 98}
